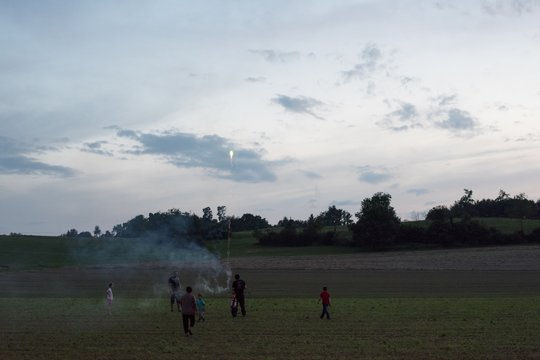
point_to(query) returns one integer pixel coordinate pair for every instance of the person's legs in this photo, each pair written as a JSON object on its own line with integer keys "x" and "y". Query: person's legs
{"x": 325, "y": 312}
{"x": 191, "y": 323}
{"x": 185, "y": 322}
{"x": 173, "y": 299}
{"x": 242, "y": 303}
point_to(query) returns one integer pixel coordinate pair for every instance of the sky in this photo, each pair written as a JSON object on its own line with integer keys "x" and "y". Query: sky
{"x": 111, "y": 109}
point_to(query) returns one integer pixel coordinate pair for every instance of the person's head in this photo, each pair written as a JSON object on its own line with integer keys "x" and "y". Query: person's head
{"x": 325, "y": 288}
{"x": 237, "y": 276}
{"x": 175, "y": 273}
{"x": 110, "y": 285}
{"x": 189, "y": 289}
{"x": 199, "y": 295}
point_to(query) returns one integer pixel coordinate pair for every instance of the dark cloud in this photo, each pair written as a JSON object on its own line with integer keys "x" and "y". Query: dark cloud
{"x": 274, "y": 56}
{"x": 299, "y": 104}
{"x": 370, "y": 58}
{"x": 457, "y": 120}
{"x": 373, "y": 175}
{"x": 15, "y": 158}
{"x": 418, "y": 192}
{"x": 210, "y": 152}
{"x": 405, "y": 117}
{"x": 97, "y": 147}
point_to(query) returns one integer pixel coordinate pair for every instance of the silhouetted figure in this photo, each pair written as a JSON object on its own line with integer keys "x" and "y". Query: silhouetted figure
{"x": 189, "y": 309}
{"x": 239, "y": 286}
{"x": 174, "y": 290}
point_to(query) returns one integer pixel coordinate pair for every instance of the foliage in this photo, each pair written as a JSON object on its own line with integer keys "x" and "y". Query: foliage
{"x": 377, "y": 225}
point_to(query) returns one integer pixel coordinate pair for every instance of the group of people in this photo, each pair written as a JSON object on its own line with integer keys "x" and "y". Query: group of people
{"x": 187, "y": 304}
{"x": 190, "y": 306}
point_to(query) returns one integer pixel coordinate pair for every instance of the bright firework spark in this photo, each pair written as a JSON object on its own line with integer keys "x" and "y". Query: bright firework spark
{"x": 231, "y": 155}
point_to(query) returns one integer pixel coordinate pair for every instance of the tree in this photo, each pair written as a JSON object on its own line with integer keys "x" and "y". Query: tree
{"x": 377, "y": 224}
{"x": 97, "y": 231}
{"x": 207, "y": 214}
{"x": 222, "y": 213}
{"x": 72, "y": 233}
{"x": 438, "y": 213}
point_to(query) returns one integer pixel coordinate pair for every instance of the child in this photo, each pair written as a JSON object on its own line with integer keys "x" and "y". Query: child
{"x": 234, "y": 305}
{"x": 201, "y": 306}
{"x": 109, "y": 298}
{"x": 325, "y": 298}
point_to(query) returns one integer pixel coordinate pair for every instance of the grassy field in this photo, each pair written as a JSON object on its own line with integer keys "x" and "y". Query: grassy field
{"x": 278, "y": 328}
{"x": 52, "y": 309}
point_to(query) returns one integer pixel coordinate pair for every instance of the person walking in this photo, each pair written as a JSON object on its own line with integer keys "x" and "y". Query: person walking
{"x": 189, "y": 309}
{"x": 324, "y": 297}
{"x": 201, "y": 307}
{"x": 239, "y": 286}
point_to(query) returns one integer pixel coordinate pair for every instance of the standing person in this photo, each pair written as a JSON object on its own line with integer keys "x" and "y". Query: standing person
{"x": 325, "y": 298}
{"x": 201, "y": 307}
{"x": 174, "y": 290}
{"x": 110, "y": 298}
{"x": 234, "y": 305}
{"x": 189, "y": 308}
{"x": 239, "y": 286}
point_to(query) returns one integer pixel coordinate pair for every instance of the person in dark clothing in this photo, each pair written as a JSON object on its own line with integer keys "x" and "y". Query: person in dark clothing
{"x": 239, "y": 286}
{"x": 174, "y": 290}
{"x": 189, "y": 309}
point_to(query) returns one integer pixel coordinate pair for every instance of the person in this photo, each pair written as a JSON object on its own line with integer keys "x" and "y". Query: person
{"x": 110, "y": 298}
{"x": 325, "y": 298}
{"x": 239, "y": 286}
{"x": 174, "y": 289}
{"x": 201, "y": 307}
{"x": 189, "y": 308}
{"x": 234, "y": 305}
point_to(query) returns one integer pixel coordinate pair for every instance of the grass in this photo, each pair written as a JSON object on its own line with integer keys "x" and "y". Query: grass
{"x": 245, "y": 244}
{"x": 277, "y": 328}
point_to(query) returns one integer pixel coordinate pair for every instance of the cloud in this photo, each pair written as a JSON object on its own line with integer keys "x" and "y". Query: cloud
{"x": 457, "y": 120}
{"x": 210, "y": 152}
{"x": 418, "y": 192}
{"x": 445, "y": 100}
{"x": 373, "y": 175}
{"x": 97, "y": 147}
{"x": 505, "y": 7}
{"x": 370, "y": 58}
{"x": 405, "y": 117}
{"x": 256, "y": 79}
{"x": 345, "y": 203}
{"x": 311, "y": 174}
{"x": 299, "y": 104}
{"x": 274, "y": 56}
{"x": 15, "y": 158}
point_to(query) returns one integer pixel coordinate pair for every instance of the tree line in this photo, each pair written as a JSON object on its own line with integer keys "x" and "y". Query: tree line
{"x": 376, "y": 226}
{"x": 176, "y": 224}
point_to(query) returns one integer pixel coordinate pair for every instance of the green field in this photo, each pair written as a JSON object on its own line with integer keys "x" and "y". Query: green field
{"x": 52, "y": 306}
{"x": 279, "y": 328}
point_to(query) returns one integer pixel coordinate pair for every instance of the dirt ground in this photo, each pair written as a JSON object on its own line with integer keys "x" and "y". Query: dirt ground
{"x": 499, "y": 271}
{"x": 526, "y": 257}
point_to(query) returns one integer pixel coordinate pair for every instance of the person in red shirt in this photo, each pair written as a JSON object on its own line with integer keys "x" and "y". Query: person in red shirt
{"x": 325, "y": 298}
